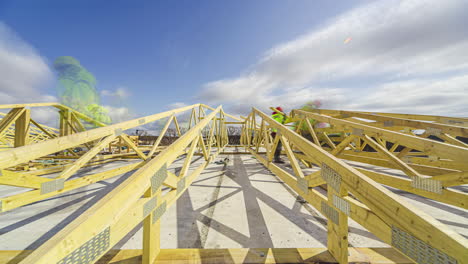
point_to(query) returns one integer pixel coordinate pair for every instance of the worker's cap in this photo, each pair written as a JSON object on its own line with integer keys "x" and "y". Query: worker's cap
{"x": 279, "y": 108}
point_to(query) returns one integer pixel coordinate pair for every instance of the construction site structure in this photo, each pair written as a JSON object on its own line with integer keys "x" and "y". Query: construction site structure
{"x": 352, "y": 169}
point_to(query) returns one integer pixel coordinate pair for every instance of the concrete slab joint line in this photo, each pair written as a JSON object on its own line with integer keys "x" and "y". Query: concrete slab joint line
{"x": 388, "y": 123}
{"x": 330, "y": 213}
{"x": 358, "y": 132}
{"x": 89, "y": 251}
{"x": 180, "y": 185}
{"x": 426, "y": 184}
{"x": 159, "y": 212}
{"x": 51, "y": 186}
{"x": 330, "y": 176}
{"x": 158, "y": 178}
{"x": 418, "y": 250}
{"x": 341, "y": 204}
{"x": 118, "y": 131}
{"x": 303, "y": 184}
{"x": 149, "y": 206}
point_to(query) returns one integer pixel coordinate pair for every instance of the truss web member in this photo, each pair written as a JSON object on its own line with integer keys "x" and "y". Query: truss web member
{"x": 281, "y": 118}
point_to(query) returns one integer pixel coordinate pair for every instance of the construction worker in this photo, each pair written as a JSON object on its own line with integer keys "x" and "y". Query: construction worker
{"x": 281, "y": 118}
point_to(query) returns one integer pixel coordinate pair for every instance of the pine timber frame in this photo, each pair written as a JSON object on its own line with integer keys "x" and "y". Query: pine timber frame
{"x": 357, "y": 193}
{"x": 428, "y": 168}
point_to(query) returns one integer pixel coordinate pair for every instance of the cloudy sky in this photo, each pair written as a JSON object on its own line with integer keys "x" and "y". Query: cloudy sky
{"x": 401, "y": 56}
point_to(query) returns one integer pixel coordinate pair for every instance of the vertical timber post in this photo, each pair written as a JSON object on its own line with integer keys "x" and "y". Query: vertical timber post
{"x": 65, "y": 120}
{"x": 151, "y": 231}
{"x": 337, "y": 239}
{"x": 22, "y": 125}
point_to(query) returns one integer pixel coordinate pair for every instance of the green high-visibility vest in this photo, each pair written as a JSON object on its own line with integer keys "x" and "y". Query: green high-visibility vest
{"x": 279, "y": 118}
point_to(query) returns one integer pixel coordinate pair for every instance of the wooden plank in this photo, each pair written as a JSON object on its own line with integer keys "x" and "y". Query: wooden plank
{"x": 448, "y": 196}
{"x": 436, "y": 148}
{"x": 176, "y": 124}
{"x": 328, "y": 141}
{"x": 452, "y": 179}
{"x": 337, "y": 233}
{"x": 273, "y": 148}
{"x": 124, "y": 200}
{"x": 17, "y": 200}
{"x": 396, "y": 121}
{"x": 188, "y": 158}
{"x": 69, "y": 171}
{"x": 312, "y": 132}
{"x": 392, "y": 158}
{"x": 343, "y": 144}
{"x": 19, "y": 179}
{"x": 5, "y": 106}
{"x": 161, "y": 135}
{"x": 151, "y": 231}
{"x": 292, "y": 159}
{"x": 132, "y": 145}
{"x": 23, "y": 154}
{"x": 237, "y": 255}
{"x": 426, "y": 170}
{"x": 394, "y": 211}
{"x": 315, "y": 179}
{"x": 358, "y": 211}
{"x": 9, "y": 119}
{"x": 452, "y": 140}
{"x": 22, "y": 125}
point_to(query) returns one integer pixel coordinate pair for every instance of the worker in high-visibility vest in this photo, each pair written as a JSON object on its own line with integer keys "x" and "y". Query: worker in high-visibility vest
{"x": 281, "y": 118}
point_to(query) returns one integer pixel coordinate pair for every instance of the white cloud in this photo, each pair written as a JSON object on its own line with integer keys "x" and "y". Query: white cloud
{"x": 176, "y": 105}
{"x": 120, "y": 92}
{"x": 119, "y": 114}
{"x": 411, "y": 39}
{"x": 435, "y": 97}
{"x": 23, "y": 72}
{"x": 23, "y": 76}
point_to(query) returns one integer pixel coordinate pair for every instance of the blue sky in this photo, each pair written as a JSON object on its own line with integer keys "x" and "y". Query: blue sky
{"x": 246, "y": 53}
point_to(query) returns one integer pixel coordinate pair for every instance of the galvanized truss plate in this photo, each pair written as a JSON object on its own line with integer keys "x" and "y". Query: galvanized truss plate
{"x": 181, "y": 185}
{"x": 427, "y": 184}
{"x": 433, "y": 131}
{"x": 141, "y": 121}
{"x": 433, "y": 157}
{"x": 345, "y": 115}
{"x": 89, "y": 251}
{"x": 158, "y": 178}
{"x": 303, "y": 184}
{"x": 341, "y": 204}
{"x": 118, "y": 132}
{"x": 417, "y": 249}
{"x": 388, "y": 123}
{"x": 51, "y": 186}
{"x": 149, "y": 206}
{"x": 332, "y": 178}
{"x": 330, "y": 213}
{"x": 358, "y": 132}
{"x": 159, "y": 212}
